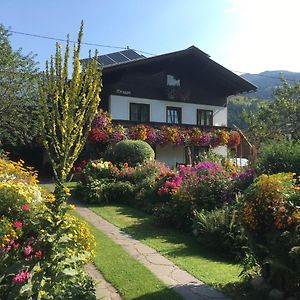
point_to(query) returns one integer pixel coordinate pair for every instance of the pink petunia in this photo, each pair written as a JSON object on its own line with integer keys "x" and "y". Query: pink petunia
{"x": 25, "y": 207}
{"x": 27, "y": 250}
{"x": 38, "y": 253}
{"x": 16, "y": 245}
{"x": 19, "y": 224}
{"x": 21, "y": 277}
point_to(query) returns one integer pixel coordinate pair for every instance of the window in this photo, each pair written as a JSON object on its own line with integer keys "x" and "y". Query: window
{"x": 139, "y": 112}
{"x": 204, "y": 117}
{"x": 172, "y": 80}
{"x": 173, "y": 115}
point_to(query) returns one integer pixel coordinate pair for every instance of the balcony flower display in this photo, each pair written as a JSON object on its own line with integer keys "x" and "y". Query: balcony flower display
{"x": 199, "y": 137}
{"x": 99, "y": 135}
{"x": 153, "y": 136}
{"x": 172, "y": 135}
{"x": 104, "y": 131}
{"x": 102, "y": 120}
{"x": 138, "y": 132}
{"x": 118, "y": 134}
{"x": 234, "y": 139}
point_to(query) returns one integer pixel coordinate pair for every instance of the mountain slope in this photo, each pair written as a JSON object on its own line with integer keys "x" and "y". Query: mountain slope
{"x": 267, "y": 81}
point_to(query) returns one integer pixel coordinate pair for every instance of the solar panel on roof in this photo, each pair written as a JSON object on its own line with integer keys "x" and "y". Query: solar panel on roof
{"x": 132, "y": 55}
{"x": 104, "y": 60}
{"x": 117, "y": 57}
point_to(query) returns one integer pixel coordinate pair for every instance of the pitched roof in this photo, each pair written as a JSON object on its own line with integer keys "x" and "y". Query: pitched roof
{"x": 194, "y": 59}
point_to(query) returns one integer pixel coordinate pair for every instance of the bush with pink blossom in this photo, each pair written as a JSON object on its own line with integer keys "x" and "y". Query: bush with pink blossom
{"x": 38, "y": 258}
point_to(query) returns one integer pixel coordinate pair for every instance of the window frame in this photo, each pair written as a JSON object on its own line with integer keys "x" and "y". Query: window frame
{"x": 179, "y": 112}
{"x": 205, "y": 118}
{"x": 139, "y": 113}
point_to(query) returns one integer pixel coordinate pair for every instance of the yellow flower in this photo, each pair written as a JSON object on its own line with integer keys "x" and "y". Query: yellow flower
{"x": 72, "y": 206}
{"x": 38, "y": 269}
{"x": 50, "y": 198}
{"x": 297, "y": 216}
{"x": 67, "y": 191}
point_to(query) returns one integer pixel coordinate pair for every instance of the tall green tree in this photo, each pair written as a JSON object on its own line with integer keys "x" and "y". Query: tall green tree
{"x": 67, "y": 107}
{"x": 18, "y": 94}
{"x": 278, "y": 119}
{"x": 237, "y": 106}
{"x": 288, "y": 106}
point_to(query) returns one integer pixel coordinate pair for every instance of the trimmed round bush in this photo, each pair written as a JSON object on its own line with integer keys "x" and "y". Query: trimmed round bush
{"x": 133, "y": 152}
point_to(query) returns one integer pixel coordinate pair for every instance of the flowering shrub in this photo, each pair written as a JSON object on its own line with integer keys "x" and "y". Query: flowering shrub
{"x": 171, "y": 195}
{"x": 99, "y": 135}
{"x": 16, "y": 171}
{"x": 41, "y": 251}
{"x": 271, "y": 218}
{"x": 103, "y": 131}
{"x": 169, "y": 184}
{"x": 103, "y": 182}
{"x": 203, "y": 186}
{"x": 149, "y": 169}
{"x": 79, "y": 166}
{"x": 101, "y": 169}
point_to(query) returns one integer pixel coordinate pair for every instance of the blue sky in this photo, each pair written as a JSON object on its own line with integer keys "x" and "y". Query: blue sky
{"x": 242, "y": 35}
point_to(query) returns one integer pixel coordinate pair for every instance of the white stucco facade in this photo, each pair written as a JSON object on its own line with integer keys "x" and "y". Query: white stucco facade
{"x": 119, "y": 110}
{"x": 170, "y": 154}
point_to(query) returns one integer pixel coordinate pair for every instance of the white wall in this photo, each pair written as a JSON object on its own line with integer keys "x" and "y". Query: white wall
{"x": 222, "y": 150}
{"x": 170, "y": 154}
{"x": 119, "y": 109}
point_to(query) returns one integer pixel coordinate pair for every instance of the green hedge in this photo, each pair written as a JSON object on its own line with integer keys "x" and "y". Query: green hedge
{"x": 277, "y": 157}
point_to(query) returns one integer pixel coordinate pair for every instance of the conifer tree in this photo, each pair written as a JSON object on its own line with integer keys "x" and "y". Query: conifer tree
{"x": 67, "y": 107}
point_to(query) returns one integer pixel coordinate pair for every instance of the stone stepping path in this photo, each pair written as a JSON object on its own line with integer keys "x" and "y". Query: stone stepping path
{"x": 181, "y": 281}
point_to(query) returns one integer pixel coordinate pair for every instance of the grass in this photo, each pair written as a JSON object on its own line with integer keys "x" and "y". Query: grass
{"x": 129, "y": 277}
{"x": 177, "y": 246}
{"x": 50, "y": 186}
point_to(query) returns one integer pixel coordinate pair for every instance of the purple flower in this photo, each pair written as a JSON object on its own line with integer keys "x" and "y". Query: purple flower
{"x": 246, "y": 175}
{"x": 152, "y": 138}
{"x": 204, "y": 140}
{"x": 208, "y": 166}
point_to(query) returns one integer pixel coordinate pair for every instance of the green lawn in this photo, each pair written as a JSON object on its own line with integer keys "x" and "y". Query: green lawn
{"x": 50, "y": 186}
{"x": 129, "y": 277}
{"x": 179, "y": 247}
